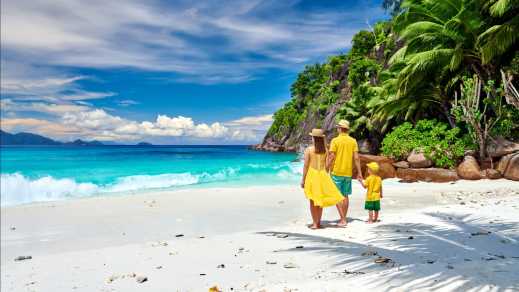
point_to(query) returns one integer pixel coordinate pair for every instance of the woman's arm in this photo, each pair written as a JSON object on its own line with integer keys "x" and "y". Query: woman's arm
{"x": 305, "y": 167}
{"x": 330, "y": 161}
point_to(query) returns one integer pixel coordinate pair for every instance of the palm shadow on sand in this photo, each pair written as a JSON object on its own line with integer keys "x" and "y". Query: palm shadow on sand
{"x": 427, "y": 256}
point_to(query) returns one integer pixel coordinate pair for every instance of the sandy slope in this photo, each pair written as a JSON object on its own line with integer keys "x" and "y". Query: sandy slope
{"x": 435, "y": 237}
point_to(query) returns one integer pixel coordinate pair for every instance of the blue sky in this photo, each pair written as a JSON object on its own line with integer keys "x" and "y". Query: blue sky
{"x": 163, "y": 71}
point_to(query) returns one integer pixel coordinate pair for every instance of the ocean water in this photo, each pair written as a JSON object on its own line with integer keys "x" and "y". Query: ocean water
{"x": 48, "y": 173}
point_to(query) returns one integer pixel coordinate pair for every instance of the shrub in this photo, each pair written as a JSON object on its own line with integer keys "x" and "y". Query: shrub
{"x": 442, "y": 145}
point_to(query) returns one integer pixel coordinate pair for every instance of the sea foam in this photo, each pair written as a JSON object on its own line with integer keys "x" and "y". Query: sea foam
{"x": 142, "y": 182}
{"x": 17, "y": 189}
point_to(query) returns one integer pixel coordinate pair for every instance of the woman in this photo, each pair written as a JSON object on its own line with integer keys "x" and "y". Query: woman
{"x": 317, "y": 183}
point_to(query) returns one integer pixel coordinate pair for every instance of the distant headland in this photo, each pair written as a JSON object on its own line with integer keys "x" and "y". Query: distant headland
{"x": 25, "y": 138}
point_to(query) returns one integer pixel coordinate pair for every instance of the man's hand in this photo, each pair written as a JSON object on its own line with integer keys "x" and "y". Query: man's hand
{"x": 302, "y": 184}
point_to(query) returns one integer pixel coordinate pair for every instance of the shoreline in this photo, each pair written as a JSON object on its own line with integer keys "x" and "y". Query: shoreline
{"x": 81, "y": 244}
{"x": 216, "y": 186}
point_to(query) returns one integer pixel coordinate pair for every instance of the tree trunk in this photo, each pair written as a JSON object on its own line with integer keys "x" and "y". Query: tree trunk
{"x": 446, "y": 112}
{"x": 482, "y": 147}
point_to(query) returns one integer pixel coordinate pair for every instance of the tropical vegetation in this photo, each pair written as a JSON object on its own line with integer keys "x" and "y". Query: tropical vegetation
{"x": 436, "y": 66}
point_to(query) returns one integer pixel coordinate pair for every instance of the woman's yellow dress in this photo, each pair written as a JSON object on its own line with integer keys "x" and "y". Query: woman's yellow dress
{"x": 319, "y": 186}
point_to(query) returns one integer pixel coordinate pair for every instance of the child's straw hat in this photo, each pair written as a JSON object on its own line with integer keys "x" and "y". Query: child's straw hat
{"x": 373, "y": 166}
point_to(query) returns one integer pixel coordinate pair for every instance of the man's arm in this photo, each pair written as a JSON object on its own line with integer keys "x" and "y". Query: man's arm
{"x": 362, "y": 183}
{"x": 357, "y": 165}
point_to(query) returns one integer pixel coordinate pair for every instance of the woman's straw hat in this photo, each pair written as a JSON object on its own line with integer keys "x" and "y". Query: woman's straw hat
{"x": 317, "y": 133}
{"x": 373, "y": 166}
{"x": 343, "y": 124}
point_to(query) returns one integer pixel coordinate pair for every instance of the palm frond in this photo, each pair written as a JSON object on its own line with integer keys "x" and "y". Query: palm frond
{"x": 398, "y": 56}
{"x": 498, "y": 39}
{"x": 501, "y": 7}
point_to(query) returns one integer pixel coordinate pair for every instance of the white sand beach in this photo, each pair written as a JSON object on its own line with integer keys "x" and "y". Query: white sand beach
{"x": 433, "y": 237}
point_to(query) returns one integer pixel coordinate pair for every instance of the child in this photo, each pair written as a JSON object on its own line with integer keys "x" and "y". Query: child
{"x": 373, "y": 184}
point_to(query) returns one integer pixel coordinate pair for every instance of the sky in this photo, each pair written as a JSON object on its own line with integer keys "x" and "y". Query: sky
{"x": 165, "y": 72}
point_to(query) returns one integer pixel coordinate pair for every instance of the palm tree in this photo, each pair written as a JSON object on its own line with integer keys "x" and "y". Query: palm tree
{"x": 503, "y": 34}
{"x": 389, "y": 108}
{"x": 441, "y": 39}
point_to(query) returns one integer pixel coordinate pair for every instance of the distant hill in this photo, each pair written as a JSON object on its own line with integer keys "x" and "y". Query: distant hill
{"x": 144, "y": 144}
{"x": 34, "y": 139}
{"x": 25, "y": 139}
{"x": 80, "y": 142}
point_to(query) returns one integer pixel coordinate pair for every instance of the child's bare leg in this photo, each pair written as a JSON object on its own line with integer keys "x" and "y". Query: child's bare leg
{"x": 375, "y": 218}
{"x": 370, "y": 218}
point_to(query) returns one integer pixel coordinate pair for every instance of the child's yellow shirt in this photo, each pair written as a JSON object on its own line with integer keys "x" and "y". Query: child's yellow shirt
{"x": 374, "y": 186}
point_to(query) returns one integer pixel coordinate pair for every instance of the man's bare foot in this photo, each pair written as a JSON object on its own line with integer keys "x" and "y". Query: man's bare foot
{"x": 315, "y": 226}
{"x": 369, "y": 221}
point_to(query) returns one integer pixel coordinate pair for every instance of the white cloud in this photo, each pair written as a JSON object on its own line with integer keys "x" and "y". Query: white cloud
{"x": 8, "y": 105}
{"x": 193, "y": 38}
{"x": 252, "y": 121}
{"x": 27, "y": 86}
{"x": 98, "y": 124}
{"x": 21, "y": 81}
{"x": 127, "y": 102}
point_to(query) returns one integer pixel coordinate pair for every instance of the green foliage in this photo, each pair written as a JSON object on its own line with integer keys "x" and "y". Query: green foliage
{"x": 362, "y": 43}
{"x": 361, "y": 70}
{"x": 401, "y": 141}
{"x": 328, "y": 94}
{"x": 285, "y": 119}
{"x": 513, "y": 67}
{"x": 335, "y": 63}
{"x": 446, "y": 39}
{"x": 309, "y": 81}
{"x": 439, "y": 43}
{"x": 442, "y": 145}
{"x": 357, "y": 110}
{"x": 483, "y": 111}
{"x": 384, "y": 37}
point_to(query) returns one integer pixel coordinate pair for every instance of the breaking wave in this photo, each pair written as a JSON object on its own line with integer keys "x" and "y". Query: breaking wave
{"x": 18, "y": 189}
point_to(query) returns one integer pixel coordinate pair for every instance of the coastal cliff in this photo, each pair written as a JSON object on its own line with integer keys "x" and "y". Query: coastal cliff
{"x": 324, "y": 93}
{"x": 412, "y": 91}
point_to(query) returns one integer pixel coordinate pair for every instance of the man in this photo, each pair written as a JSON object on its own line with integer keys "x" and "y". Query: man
{"x": 343, "y": 151}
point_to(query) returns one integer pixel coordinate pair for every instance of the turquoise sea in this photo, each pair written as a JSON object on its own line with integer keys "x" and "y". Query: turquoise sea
{"x": 47, "y": 173}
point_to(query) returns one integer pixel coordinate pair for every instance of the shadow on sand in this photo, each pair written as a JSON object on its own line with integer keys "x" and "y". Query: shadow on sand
{"x": 456, "y": 253}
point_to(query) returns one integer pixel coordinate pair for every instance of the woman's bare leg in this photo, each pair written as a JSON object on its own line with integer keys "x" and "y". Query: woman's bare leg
{"x": 319, "y": 215}
{"x": 316, "y": 215}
